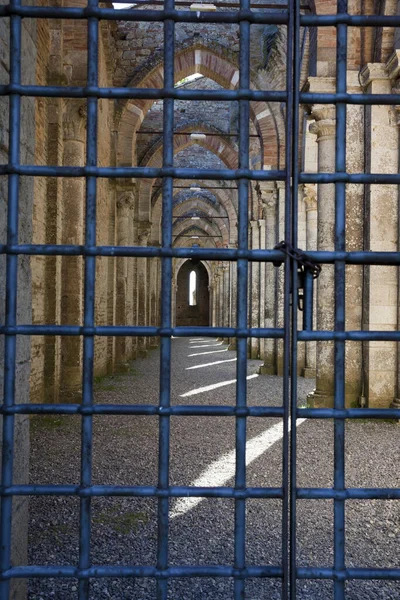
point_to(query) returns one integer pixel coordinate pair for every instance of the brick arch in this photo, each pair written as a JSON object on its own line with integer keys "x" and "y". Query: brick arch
{"x": 218, "y": 144}
{"x": 181, "y": 242}
{"x": 215, "y": 62}
{"x": 182, "y": 226}
{"x": 206, "y": 201}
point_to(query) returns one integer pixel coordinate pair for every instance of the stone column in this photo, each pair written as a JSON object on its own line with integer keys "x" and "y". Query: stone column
{"x": 310, "y": 200}
{"x": 221, "y": 303}
{"x": 154, "y": 297}
{"x": 214, "y": 311}
{"x": 280, "y": 279}
{"x": 143, "y": 232}
{"x": 269, "y": 199}
{"x": 73, "y": 206}
{"x": 123, "y": 345}
{"x": 324, "y": 128}
{"x": 233, "y": 297}
{"x": 262, "y": 270}
{"x": 355, "y": 163}
{"x": 254, "y": 290}
{"x": 226, "y": 297}
{"x": 382, "y": 235}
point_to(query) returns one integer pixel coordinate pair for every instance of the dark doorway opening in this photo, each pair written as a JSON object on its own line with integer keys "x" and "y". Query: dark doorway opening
{"x": 192, "y": 295}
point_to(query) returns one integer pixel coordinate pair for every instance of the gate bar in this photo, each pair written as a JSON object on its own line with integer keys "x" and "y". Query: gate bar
{"x": 166, "y": 295}
{"x": 340, "y": 300}
{"x": 10, "y": 342}
{"x": 242, "y": 307}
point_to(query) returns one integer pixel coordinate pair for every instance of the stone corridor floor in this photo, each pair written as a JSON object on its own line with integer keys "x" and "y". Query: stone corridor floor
{"x": 125, "y": 452}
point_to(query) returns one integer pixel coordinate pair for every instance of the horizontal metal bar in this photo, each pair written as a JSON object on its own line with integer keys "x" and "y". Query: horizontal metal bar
{"x": 188, "y": 173}
{"x": 140, "y": 491}
{"x": 187, "y": 16}
{"x": 126, "y": 93}
{"x": 98, "y": 571}
{"x": 133, "y": 93}
{"x": 348, "y": 494}
{"x": 179, "y": 410}
{"x": 148, "y": 16}
{"x": 206, "y": 133}
{"x": 195, "y": 237}
{"x": 348, "y": 413}
{"x": 217, "y": 4}
{"x": 347, "y": 574}
{"x": 353, "y": 336}
{"x": 137, "y": 331}
{"x": 336, "y": 98}
{"x": 351, "y": 20}
{"x": 227, "y": 254}
{"x": 203, "y": 189}
{"x": 142, "y": 172}
{"x": 188, "y": 217}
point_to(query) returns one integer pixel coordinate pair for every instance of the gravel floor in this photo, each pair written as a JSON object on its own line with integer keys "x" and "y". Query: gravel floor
{"x": 125, "y": 452}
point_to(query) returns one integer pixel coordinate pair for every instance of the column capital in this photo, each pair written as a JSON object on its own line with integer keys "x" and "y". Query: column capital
{"x": 373, "y": 72}
{"x": 143, "y": 231}
{"x": 310, "y": 196}
{"x": 125, "y": 203}
{"x": 74, "y": 121}
{"x": 324, "y": 125}
{"x": 393, "y": 65}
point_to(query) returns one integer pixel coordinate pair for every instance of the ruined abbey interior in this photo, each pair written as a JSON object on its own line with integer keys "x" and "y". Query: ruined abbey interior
{"x": 204, "y": 211}
{"x": 52, "y": 211}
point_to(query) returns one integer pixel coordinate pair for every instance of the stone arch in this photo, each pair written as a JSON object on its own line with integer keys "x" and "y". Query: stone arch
{"x": 218, "y": 144}
{"x": 181, "y": 226}
{"x": 198, "y": 315}
{"x": 216, "y": 62}
{"x": 186, "y": 213}
{"x": 194, "y": 202}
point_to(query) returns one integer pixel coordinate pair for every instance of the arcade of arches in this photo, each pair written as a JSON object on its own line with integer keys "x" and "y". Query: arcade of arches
{"x": 205, "y": 212}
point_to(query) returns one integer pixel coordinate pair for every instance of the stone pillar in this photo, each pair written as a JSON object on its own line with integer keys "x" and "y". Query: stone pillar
{"x": 214, "y": 310}
{"x": 324, "y": 128}
{"x": 154, "y": 297}
{"x": 262, "y": 270}
{"x": 143, "y": 232}
{"x": 310, "y": 200}
{"x": 280, "y": 279}
{"x": 73, "y": 206}
{"x": 226, "y": 297}
{"x": 123, "y": 345}
{"x": 381, "y": 235}
{"x": 221, "y": 303}
{"x": 269, "y": 199}
{"x": 254, "y": 304}
{"x": 355, "y": 163}
{"x": 233, "y": 296}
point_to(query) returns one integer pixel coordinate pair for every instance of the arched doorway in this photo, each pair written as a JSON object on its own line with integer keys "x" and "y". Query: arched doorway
{"x": 192, "y": 295}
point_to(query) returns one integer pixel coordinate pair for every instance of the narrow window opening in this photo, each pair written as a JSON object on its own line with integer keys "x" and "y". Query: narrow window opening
{"x": 192, "y": 288}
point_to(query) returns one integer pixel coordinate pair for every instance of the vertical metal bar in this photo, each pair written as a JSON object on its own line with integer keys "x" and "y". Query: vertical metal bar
{"x": 10, "y": 341}
{"x": 89, "y": 304}
{"x": 242, "y": 291}
{"x": 166, "y": 303}
{"x": 293, "y": 126}
{"x": 308, "y": 300}
{"x": 340, "y": 244}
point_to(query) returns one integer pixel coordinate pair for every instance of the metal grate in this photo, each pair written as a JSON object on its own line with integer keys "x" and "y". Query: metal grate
{"x": 287, "y": 571}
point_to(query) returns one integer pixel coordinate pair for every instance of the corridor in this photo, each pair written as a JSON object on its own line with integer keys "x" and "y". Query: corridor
{"x": 202, "y": 453}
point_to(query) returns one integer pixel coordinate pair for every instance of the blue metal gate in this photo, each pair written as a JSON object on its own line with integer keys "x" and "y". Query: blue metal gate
{"x": 287, "y": 570}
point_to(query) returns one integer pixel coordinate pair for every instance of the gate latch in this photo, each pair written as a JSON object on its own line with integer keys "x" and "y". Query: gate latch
{"x": 307, "y": 271}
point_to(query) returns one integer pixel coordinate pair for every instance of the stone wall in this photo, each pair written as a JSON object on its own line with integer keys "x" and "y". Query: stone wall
{"x": 24, "y": 282}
